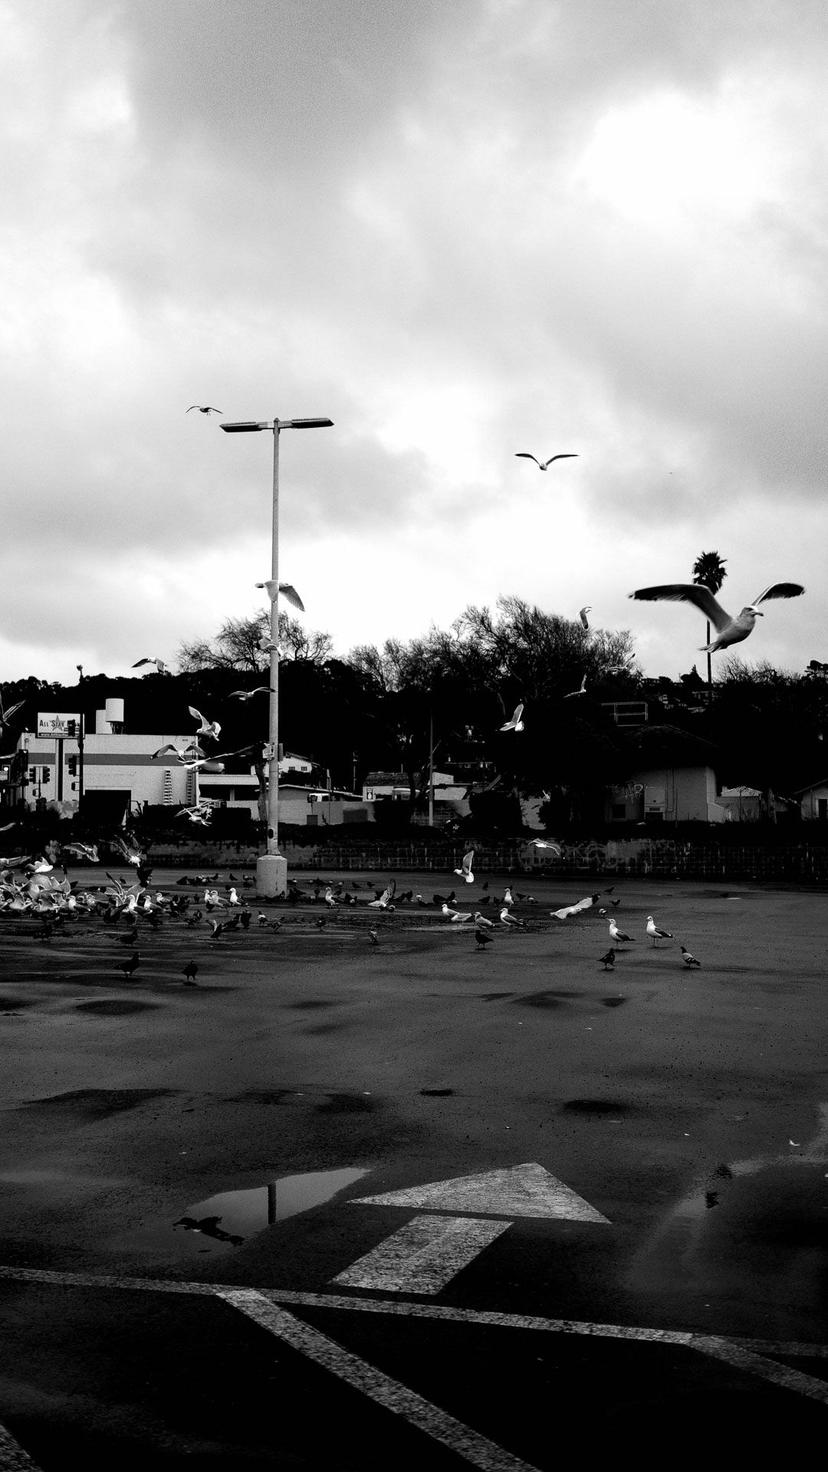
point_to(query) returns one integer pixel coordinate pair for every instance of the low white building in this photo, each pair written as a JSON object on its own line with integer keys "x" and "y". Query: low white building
{"x": 813, "y": 801}
{"x": 117, "y": 769}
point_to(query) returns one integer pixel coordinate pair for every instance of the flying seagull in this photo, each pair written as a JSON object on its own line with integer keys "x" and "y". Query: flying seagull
{"x": 248, "y": 694}
{"x": 6, "y": 715}
{"x": 728, "y": 630}
{"x": 206, "y": 728}
{"x": 286, "y": 589}
{"x": 183, "y": 753}
{"x": 465, "y": 871}
{"x": 543, "y": 464}
{"x": 516, "y": 723}
{"x": 159, "y": 664}
{"x": 580, "y": 691}
{"x": 204, "y": 409}
{"x": 656, "y": 933}
{"x": 583, "y": 615}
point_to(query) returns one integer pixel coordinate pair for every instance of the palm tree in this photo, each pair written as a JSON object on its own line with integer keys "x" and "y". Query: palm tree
{"x": 709, "y": 569}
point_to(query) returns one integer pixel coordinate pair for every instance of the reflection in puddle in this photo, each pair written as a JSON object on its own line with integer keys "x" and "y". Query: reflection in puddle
{"x": 751, "y": 1233}
{"x": 233, "y": 1216}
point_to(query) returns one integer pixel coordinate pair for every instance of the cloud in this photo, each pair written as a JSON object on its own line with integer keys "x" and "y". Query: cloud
{"x": 458, "y": 231}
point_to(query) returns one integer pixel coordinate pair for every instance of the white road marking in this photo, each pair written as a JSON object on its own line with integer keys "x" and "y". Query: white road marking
{"x": 469, "y": 1444}
{"x": 519, "y": 1190}
{"x": 752, "y": 1351}
{"x": 12, "y": 1456}
{"x": 754, "y": 1364}
{"x": 423, "y": 1255}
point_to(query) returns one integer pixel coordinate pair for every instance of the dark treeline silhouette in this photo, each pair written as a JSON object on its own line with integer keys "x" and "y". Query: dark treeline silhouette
{"x": 445, "y": 695}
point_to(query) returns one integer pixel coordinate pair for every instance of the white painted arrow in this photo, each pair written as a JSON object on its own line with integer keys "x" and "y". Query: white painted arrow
{"x": 425, "y": 1253}
{"x": 520, "y": 1190}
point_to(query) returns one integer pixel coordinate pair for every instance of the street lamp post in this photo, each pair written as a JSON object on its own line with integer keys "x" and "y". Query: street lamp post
{"x": 271, "y": 867}
{"x": 80, "y": 739}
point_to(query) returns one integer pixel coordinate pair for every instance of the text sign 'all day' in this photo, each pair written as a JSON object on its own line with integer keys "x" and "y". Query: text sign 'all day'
{"x": 57, "y": 723}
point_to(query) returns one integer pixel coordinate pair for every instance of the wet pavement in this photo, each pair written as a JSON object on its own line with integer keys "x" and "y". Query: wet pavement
{"x": 237, "y": 1135}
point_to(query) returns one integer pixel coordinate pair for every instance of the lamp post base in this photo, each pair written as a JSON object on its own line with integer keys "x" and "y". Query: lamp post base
{"x": 271, "y": 876}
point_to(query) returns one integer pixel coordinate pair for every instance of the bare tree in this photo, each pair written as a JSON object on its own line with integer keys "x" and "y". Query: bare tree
{"x": 240, "y": 644}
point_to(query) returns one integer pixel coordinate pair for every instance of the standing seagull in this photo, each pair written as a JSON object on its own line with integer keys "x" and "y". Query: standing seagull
{"x": 543, "y": 464}
{"x": 508, "y": 919}
{"x": 516, "y": 722}
{"x": 728, "y": 630}
{"x": 618, "y": 937}
{"x": 204, "y": 409}
{"x": 656, "y": 933}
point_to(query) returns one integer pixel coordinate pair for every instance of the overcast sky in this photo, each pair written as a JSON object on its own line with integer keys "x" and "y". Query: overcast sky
{"x": 459, "y": 229}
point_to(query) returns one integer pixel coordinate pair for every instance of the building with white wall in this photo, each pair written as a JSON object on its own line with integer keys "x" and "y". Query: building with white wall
{"x": 118, "y": 770}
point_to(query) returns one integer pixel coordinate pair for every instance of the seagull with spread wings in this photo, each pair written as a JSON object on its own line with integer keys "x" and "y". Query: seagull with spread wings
{"x": 465, "y": 871}
{"x": 181, "y": 753}
{"x": 7, "y": 712}
{"x": 287, "y": 591}
{"x": 206, "y": 728}
{"x": 160, "y": 666}
{"x": 248, "y": 694}
{"x": 729, "y": 630}
{"x": 580, "y": 691}
{"x": 204, "y": 409}
{"x": 516, "y": 722}
{"x": 582, "y": 614}
{"x": 543, "y": 464}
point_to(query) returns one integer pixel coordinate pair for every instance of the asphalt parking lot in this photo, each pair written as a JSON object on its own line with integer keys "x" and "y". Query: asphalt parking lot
{"x": 416, "y": 1197}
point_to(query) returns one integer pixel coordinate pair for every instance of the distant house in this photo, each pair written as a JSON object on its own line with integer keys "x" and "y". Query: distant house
{"x": 319, "y": 807}
{"x": 672, "y": 779}
{"x": 813, "y": 801}
{"x": 742, "y": 804}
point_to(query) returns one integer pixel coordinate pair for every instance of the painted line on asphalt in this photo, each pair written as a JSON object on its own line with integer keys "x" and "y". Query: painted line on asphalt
{"x": 469, "y": 1444}
{"x": 754, "y": 1364}
{"x": 758, "y": 1348}
{"x": 12, "y": 1456}
{"x": 422, "y": 1255}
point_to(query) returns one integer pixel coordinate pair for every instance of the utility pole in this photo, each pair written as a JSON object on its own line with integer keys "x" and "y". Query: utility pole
{"x": 80, "y": 738}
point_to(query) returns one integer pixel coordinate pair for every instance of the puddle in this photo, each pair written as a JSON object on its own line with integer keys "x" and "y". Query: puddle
{"x": 746, "y": 1225}
{"x": 233, "y": 1216}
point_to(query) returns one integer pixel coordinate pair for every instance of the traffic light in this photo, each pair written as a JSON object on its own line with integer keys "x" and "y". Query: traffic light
{"x": 45, "y": 774}
{"x": 71, "y": 729}
{"x": 72, "y": 765}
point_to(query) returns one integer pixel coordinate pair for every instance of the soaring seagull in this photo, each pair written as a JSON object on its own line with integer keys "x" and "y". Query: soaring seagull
{"x": 204, "y": 409}
{"x": 287, "y": 591}
{"x": 516, "y": 722}
{"x": 729, "y": 630}
{"x": 543, "y": 464}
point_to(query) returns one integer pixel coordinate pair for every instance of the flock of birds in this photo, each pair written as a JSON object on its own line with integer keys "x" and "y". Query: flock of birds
{"x": 40, "y": 887}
